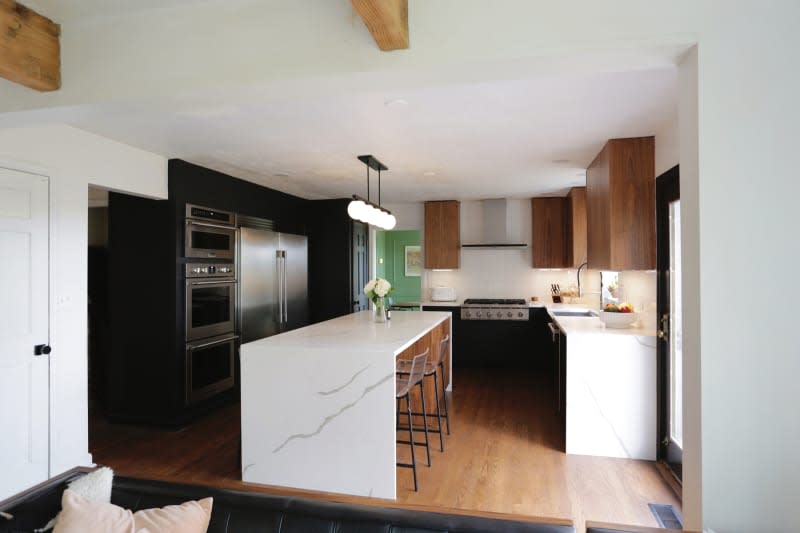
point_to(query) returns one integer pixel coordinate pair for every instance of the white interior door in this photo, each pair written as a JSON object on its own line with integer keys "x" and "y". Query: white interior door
{"x": 24, "y": 323}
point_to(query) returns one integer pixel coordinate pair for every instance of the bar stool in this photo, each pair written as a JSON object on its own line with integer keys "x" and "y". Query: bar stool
{"x": 403, "y": 390}
{"x": 432, "y": 369}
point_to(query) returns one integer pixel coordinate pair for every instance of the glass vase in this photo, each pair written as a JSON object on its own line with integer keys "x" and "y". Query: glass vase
{"x": 379, "y": 307}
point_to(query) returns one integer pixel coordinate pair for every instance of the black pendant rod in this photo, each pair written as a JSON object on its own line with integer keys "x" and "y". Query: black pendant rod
{"x": 367, "y": 182}
{"x": 379, "y": 186}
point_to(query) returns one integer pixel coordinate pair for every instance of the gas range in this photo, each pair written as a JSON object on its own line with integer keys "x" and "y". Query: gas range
{"x": 494, "y": 309}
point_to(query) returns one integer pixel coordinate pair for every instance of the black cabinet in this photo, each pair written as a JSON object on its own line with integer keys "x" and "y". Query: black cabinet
{"x": 338, "y": 260}
{"x": 147, "y": 362}
{"x": 500, "y": 343}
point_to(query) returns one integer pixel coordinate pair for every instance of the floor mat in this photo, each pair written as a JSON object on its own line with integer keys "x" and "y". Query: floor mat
{"x": 666, "y": 516}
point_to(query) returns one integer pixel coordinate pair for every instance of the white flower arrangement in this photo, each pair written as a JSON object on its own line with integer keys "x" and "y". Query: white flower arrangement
{"x": 377, "y": 288}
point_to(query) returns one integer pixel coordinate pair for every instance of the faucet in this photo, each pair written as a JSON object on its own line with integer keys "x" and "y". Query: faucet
{"x": 580, "y": 291}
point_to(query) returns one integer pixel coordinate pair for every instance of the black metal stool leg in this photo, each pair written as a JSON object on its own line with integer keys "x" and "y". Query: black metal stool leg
{"x": 425, "y": 421}
{"x": 411, "y": 439}
{"x": 444, "y": 395}
{"x": 438, "y": 411}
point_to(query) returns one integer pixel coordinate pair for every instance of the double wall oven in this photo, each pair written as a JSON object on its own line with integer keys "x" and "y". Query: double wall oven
{"x": 211, "y": 302}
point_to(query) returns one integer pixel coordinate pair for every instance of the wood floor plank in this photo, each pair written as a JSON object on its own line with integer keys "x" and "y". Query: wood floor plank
{"x": 502, "y": 456}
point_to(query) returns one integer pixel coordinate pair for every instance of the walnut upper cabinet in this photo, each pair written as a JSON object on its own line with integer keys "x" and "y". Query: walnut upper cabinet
{"x": 442, "y": 234}
{"x": 559, "y": 230}
{"x": 549, "y": 232}
{"x": 621, "y": 206}
{"x": 576, "y": 227}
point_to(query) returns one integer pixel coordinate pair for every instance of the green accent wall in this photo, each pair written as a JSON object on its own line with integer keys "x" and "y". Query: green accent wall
{"x": 390, "y": 246}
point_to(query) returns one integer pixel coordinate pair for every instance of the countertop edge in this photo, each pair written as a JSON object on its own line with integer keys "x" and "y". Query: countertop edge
{"x": 424, "y": 332}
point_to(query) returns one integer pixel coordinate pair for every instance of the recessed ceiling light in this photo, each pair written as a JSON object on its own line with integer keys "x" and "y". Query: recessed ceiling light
{"x": 560, "y": 161}
{"x": 281, "y": 175}
{"x": 395, "y": 102}
{"x": 429, "y": 173}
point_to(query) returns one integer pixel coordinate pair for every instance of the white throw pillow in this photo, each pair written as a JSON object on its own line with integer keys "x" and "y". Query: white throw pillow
{"x": 94, "y": 486}
{"x": 80, "y": 515}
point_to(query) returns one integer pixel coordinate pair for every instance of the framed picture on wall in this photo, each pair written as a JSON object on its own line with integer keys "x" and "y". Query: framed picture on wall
{"x": 413, "y": 261}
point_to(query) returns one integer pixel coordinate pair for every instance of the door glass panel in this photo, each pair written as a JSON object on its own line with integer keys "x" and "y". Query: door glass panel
{"x": 211, "y": 305}
{"x": 675, "y": 321}
{"x": 206, "y": 240}
{"x": 210, "y": 365}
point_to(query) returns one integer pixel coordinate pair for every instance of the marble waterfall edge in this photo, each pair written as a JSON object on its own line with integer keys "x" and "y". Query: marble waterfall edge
{"x": 353, "y": 410}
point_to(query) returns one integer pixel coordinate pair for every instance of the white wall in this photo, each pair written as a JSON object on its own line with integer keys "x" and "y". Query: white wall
{"x": 73, "y": 159}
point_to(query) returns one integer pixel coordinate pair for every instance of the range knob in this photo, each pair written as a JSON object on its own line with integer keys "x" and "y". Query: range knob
{"x": 519, "y": 314}
{"x": 478, "y": 314}
{"x": 488, "y": 314}
{"x": 467, "y": 314}
{"x": 508, "y": 314}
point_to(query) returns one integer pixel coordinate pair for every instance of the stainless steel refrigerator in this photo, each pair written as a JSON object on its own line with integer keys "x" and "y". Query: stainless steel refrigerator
{"x": 273, "y": 282}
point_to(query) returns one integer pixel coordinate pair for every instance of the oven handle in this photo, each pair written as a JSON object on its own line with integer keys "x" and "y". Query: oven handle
{"x": 207, "y": 225}
{"x": 215, "y": 282}
{"x": 212, "y": 343}
{"x": 554, "y": 330}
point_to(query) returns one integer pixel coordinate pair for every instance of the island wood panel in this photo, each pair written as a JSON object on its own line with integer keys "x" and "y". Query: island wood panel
{"x": 442, "y": 237}
{"x": 430, "y": 340}
{"x": 620, "y": 202}
{"x": 576, "y": 226}
{"x": 549, "y": 232}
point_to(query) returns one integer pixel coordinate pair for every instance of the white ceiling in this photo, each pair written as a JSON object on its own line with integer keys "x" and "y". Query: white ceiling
{"x": 484, "y": 130}
{"x": 513, "y": 138}
{"x": 62, "y": 11}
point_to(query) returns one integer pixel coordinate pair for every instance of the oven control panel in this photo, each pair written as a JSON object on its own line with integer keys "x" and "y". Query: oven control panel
{"x": 210, "y": 270}
{"x": 493, "y": 313}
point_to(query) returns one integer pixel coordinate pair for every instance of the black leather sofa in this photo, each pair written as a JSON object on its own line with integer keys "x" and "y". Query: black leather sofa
{"x": 239, "y": 511}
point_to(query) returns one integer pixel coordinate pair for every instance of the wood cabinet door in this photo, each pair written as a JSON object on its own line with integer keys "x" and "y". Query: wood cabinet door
{"x": 442, "y": 234}
{"x": 620, "y": 206}
{"x": 576, "y": 226}
{"x": 549, "y": 233}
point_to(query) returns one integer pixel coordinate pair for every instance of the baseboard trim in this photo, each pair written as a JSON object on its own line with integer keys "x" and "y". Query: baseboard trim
{"x": 673, "y": 482}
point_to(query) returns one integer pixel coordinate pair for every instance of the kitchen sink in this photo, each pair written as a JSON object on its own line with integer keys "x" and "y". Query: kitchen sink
{"x": 574, "y": 312}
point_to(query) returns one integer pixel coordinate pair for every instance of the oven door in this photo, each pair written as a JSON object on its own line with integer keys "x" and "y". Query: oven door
{"x": 210, "y": 307}
{"x": 209, "y": 240}
{"x": 209, "y": 367}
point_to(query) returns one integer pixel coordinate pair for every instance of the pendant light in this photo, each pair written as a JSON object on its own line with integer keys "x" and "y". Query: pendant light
{"x": 364, "y": 210}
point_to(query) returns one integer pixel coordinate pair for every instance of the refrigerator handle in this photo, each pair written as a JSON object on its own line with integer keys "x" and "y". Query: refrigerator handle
{"x": 279, "y": 278}
{"x": 285, "y": 293}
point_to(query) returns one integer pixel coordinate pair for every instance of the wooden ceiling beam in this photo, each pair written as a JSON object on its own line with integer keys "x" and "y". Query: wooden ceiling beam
{"x": 30, "y": 52}
{"x": 386, "y": 20}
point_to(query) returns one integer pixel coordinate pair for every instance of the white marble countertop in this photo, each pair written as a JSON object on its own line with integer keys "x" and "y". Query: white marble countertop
{"x": 580, "y": 325}
{"x": 358, "y": 332}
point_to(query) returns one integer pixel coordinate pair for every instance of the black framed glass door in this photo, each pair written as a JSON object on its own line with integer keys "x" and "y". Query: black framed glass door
{"x": 670, "y": 348}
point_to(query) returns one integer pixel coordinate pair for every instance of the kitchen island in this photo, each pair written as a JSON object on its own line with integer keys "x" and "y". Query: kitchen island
{"x": 318, "y": 403}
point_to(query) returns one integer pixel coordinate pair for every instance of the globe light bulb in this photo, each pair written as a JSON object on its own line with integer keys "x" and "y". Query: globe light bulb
{"x": 391, "y": 222}
{"x": 355, "y": 209}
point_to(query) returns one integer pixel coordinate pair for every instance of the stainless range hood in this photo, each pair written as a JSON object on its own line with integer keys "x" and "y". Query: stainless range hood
{"x": 495, "y": 227}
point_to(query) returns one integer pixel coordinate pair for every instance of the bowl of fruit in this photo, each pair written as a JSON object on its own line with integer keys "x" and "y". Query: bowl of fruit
{"x": 618, "y": 315}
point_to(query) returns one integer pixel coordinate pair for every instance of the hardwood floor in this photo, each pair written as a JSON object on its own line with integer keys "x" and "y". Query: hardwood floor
{"x": 502, "y": 457}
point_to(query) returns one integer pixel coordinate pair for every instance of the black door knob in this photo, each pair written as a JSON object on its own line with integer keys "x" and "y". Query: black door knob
{"x": 41, "y": 349}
